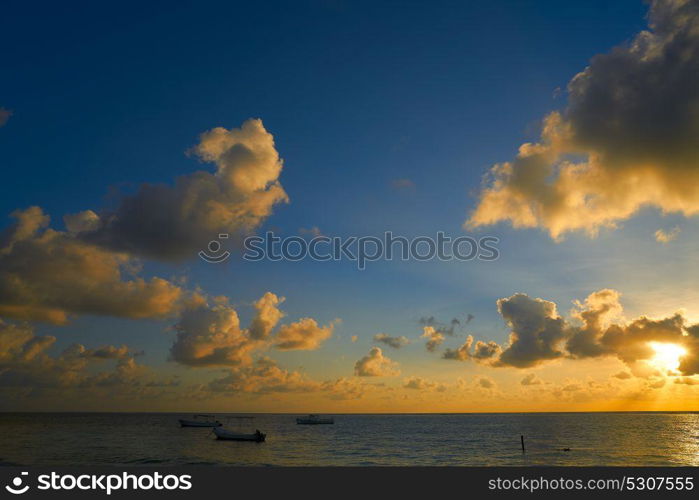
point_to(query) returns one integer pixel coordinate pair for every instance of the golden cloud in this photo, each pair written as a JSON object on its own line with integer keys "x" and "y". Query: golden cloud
{"x": 26, "y": 370}
{"x": 375, "y": 364}
{"x": 433, "y": 336}
{"x": 304, "y": 334}
{"x": 48, "y": 275}
{"x": 538, "y": 334}
{"x": 175, "y": 222}
{"x": 267, "y": 317}
{"x": 626, "y": 140}
{"x": 264, "y": 376}
{"x": 211, "y": 335}
{"x": 421, "y": 384}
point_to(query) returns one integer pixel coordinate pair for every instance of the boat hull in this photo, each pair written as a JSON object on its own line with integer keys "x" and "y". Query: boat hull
{"x": 225, "y": 435}
{"x": 198, "y": 423}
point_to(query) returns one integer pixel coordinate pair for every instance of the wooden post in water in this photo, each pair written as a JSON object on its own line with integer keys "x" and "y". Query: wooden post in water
{"x": 521, "y": 437}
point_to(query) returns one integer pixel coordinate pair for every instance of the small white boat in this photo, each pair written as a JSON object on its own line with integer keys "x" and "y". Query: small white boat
{"x": 222, "y": 433}
{"x": 201, "y": 421}
{"x": 314, "y": 420}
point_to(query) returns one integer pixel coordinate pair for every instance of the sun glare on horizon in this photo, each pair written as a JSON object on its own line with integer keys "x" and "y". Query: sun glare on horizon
{"x": 667, "y": 356}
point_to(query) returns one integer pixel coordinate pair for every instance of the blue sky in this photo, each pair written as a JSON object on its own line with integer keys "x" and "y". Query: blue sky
{"x": 115, "y": 94}
{"x": 356, "y": 94}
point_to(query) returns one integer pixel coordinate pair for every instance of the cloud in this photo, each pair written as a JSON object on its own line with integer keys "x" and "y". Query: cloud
{"x": 531, "y": 379}
{"x": 596, "y": 313}
{"x": 689, "y": 363}
{"x": 174, "y": 222}
{"x": 623, "y": 375}
{"x": 103, "y": 352}
{"x": 212, "y": 336}
{"x": 375, "y": 364}
{"x": 395, "y": 342}
{"x": 481, "y": 351}
{"x": 5, "y": 115}
{"x": 656, "y": 384}
{"x": 662, "y": 236}
{"x": 445, "y": 329}
{"x": 263, "y": 376}
{"x": 536, "y": 331}
{"x": 305, "y": 334}
{"x": 421, "y": 384}
{"x": 572, "y": 388}
{"x": 92, "y": 268}
{"x": 48, "y": 275}
{"x": 354, "y": 338}
{"x": 27, "y": 370}
{"x": 631, "y": 341}
{"x": 479, "y": 384}
{"x": 345, "y": 388}
{"x": 435, "y": 331}
{"x": 687, "y": 380}
{"x": 403, "y": 185}
{"x": 434, "y": 338}
{"x": 485, "y": 382}
{"x": 84, "y": 221}
{"x": 626, "y": 139}
{"x": 18, "y": 342}
{"x": 538, "y": 334}
{"x": 267, "y": 317}
{"x": 312, "y": 231}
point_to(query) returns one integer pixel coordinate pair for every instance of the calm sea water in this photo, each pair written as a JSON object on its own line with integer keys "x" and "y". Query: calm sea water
{"x": 356, "y": 440}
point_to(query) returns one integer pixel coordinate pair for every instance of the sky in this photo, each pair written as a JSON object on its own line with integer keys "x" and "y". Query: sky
{"x": 131, "y": 135}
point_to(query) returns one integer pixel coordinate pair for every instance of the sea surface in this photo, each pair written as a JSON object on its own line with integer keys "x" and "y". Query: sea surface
{"x": 354, "y": 440}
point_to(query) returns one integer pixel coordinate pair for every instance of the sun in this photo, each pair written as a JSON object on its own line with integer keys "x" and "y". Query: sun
{"x": 667, "y": 356}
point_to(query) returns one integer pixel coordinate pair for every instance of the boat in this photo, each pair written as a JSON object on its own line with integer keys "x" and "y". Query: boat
{"x": 314, "y": 420}
{"x": 225, "y": 434}
{"x": 201, "y": 421}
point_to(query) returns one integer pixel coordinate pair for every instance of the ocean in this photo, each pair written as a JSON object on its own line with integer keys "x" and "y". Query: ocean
{"x": 650, "y": 439}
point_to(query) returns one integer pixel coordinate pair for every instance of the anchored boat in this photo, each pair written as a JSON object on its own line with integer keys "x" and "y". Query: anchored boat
{"x": 224, "y": 434}
{"x": 201, "y": 421}
{"x": 314, "y": 420}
